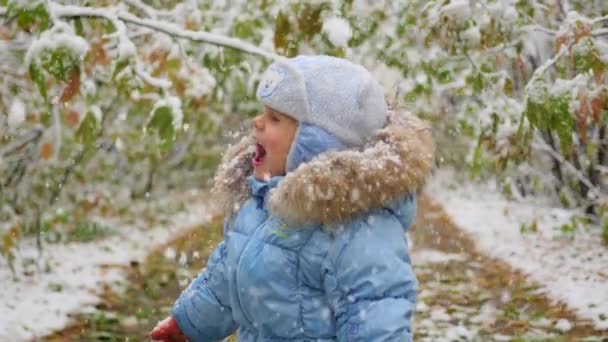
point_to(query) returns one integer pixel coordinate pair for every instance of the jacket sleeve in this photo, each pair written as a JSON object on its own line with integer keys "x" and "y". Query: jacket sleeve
{"x": 369, "y": 280}
{"x": 203, "y": 311}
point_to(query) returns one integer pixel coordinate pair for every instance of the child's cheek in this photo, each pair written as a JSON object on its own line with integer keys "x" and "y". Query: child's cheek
{"x": 273, "y": 142}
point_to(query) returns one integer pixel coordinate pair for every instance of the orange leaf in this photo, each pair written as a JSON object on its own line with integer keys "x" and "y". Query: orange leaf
{"x": 156, "y": 54}
{"x": 72, "y": 88}
{"x": 596, "y": 108}
{"x": 101, "y": 57}
{"x": 561, "y": 40}
{"x": 190, "y": 24}
{"x": 581, "y": 118}
{"x": 521, "y": 66}
{"x": 4, "y": 34}
{"x": 72, "y": 118}
{"x": 598, "y": 72}
{"x": 581, "y": 30}
{"x": 46, "y": 151}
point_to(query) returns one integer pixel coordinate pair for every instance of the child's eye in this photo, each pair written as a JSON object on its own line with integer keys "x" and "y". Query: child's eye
{"x": 274, "y": 118}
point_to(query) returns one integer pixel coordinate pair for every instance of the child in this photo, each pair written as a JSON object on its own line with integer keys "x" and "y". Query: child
{"x": 318, "y": 199}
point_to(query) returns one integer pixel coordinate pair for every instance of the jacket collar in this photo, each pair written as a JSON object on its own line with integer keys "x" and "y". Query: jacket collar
{"x": 261, "y": 189}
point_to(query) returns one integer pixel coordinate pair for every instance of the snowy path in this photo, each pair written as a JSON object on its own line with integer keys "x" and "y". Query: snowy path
{"x": 571, "y": 267}
{"x": 464, "y": 295}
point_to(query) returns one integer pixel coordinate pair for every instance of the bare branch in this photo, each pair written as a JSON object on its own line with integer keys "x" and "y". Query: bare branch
{"x": 539, "y": 28}
{"x": 541, "y": 69}
{"x": 32, "y": 135}
{"x": 541, "y": 145}
{"x": 466, "y": 54}
{"x": 112, "y": 14}
{"x": 161, "y": 83}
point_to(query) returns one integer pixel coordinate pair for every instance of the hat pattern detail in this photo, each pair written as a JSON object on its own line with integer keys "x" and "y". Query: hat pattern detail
{"x": 270, "y": 82}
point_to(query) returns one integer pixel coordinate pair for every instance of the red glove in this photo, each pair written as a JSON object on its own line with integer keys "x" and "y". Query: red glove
{"x": 167, "y": 331}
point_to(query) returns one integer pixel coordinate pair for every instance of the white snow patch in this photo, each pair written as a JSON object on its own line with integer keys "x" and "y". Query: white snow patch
{"x": 472, "y": 35}
{"x": 37, "y": 304}
{"x": 458, "y": 333}
{"x": 97, "y": 114}
{"x": 432, "y": 256}
{"x": 458, "y": 10}
{"x": 569, "y": 267}
{"x": 440, "y": 315}
{"x": 563, "y": 325}
{"x": 61, "y": 36}
{"x": 487, "y": 314}
{"x": 338, "y": 31}
{"x": 16, "y": 114}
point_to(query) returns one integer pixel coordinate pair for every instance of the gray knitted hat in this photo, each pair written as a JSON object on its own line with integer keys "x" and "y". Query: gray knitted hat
{"x": 333, "y": 93}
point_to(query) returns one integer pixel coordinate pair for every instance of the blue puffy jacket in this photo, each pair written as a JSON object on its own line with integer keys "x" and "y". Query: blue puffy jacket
{"x": 318, "y": 255}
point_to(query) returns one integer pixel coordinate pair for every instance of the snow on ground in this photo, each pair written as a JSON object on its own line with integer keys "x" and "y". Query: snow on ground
{"x": 571, "y": 267}
{"x": 432, "y": 256}
{"x": 41, "y": 302}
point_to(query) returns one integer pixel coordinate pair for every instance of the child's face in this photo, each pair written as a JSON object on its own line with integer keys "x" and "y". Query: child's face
{"x": 273, "y": 133}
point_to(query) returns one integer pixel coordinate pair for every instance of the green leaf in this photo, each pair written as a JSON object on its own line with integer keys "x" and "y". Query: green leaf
{"x": 476, "y": 164}
{"x": 562, "y": 121}
{"x": 584, "y": 55}
{"x": 55, "y": 287}
{"x": 45, "y": 118}
{"x": 78, "y": 26}
{"x": 87, "y": 131}
{"x": 244, "y": 29}
{"x": 38, "y": 79}
{"x": 532, "y": 112}
{"x": 29, "y": 17}
{"x": 309, "y": 20}
{"x": 118, "y": 67}
{"x": 478, "y": 83}
{"x": 60, "y": 63}
{"x": 174, "y": 64}
{"x": 282, "y": 28}
{"x": 162, "y": 125}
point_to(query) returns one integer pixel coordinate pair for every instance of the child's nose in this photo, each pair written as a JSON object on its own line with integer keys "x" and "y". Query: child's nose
{"x": 258, "y": 122}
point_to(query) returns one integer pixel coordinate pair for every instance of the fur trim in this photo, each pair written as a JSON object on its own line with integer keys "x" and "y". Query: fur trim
{"x": 339, "y": 185}
{"x": 230, "y": 188}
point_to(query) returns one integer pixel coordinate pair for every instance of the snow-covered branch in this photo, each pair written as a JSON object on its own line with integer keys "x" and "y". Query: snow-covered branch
{"x": 543, "y": 68}
{"x": 30, "y": 136}
{"x": 599, "y": 20}
{"x": 161, "y": 83}
{"x": 539, "y": 28}
{"x": 113, "y": 14}
{"x": 600, "y": 32}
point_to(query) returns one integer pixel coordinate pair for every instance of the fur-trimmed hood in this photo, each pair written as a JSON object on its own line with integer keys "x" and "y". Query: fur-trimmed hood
{"x": 337, "y": 186}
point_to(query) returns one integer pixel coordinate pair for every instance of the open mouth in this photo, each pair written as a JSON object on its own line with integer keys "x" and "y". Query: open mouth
{"x": 259, "y": 156}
